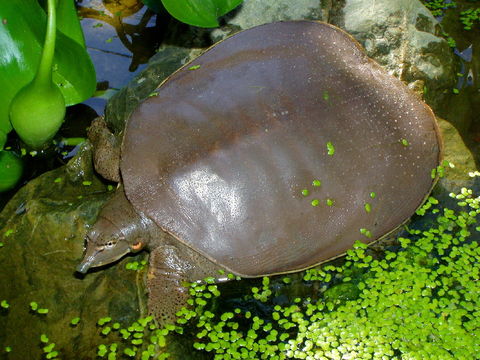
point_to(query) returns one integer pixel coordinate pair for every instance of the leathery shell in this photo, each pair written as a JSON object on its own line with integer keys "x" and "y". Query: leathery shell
{"x": 219, "y": 158}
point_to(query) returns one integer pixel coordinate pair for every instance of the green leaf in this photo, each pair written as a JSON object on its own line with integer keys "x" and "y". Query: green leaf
{"x": 11, "y": 168}
{"x": 68, "y": 22}
{"x": 202, "y": 13}
{"x": 22, "y": 33}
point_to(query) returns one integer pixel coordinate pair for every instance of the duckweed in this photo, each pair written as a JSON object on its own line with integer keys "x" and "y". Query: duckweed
{"x": 305, "y": 192}
{"x": 326, "y": 95}
{"x": 316, "y": 182}
{"x": 44, "y": 338}
{"x": 437, "y": 7}
{"x": 315, "y": 202}
{"x": 368, "y": 207}
{"x": 418, "y": 301}
{"x": 136, "y": 265}
{"x": 4, "y": 304}
{"x": 469, "y": 17}
{"x": 366, "y": 232}
{"x": 330, "y": 148}
{"x": 194, "y": 67}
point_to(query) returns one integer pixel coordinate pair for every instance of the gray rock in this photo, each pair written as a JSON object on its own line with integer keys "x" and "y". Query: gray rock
{"x": 401, "y": 36}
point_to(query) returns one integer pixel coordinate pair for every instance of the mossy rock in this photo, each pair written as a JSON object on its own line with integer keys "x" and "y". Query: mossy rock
{"x": 42, "y": 230}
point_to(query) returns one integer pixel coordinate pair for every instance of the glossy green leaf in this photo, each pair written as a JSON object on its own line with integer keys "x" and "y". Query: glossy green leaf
{"x": 11, "y": 168}
{"x": 22, "y": 32}
{"x": 68, "y": 22}
{"x": 202, "y": 13}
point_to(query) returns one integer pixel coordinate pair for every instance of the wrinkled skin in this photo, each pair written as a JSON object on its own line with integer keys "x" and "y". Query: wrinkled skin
{"x": 119, "y": 230}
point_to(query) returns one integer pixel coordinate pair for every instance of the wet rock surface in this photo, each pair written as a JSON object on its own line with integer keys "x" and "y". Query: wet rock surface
{"x": 43, "y": 229}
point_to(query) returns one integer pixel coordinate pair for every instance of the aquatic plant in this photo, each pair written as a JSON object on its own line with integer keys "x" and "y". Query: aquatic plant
{"x": 66, "y": 77}
{"x": 417, "y": 299}
{"x": 11, "y": 168}
{"x": 201, "y": 13}
{"x": 469, "y": 17}
{"x": 438, "y": 7}
{"x": 25, "y": 24}
{"x": 38, "y": 109}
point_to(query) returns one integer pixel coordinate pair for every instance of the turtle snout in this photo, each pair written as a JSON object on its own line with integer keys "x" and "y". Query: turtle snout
{"x": 83, "y": 267}
{"x": 88, "y": 259}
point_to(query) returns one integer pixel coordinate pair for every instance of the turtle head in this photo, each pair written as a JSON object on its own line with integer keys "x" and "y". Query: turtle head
{"x": 117, "y": 232}
{"x": 106, "y": 244}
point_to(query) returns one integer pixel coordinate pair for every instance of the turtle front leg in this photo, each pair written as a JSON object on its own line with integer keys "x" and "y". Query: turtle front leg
{"x": 170, "y": 268}
{"x": 106, "y": 155}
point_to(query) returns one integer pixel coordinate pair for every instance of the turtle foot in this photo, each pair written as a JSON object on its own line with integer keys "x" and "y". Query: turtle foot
{"x": 106, "y": 156}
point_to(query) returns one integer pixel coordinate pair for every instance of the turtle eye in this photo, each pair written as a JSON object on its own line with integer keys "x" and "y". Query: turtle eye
{"x": 109, "y": 244}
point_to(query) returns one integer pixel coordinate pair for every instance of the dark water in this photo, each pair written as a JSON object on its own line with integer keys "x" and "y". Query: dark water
{"x": 120, "y": 37}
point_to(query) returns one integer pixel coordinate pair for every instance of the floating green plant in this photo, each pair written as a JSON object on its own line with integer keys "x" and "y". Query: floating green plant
{"x": 416, "y": 302}
{"x": 38, "y": 109}
{"x": 35, "y": 308}
{"x": 11, "y": 169}
{"x": 437, "y": 7}
{"x": 366, "y": 232}
{"x": 316, "y": 183}
{"x": 305, "y": 192}
{"x": 469, "y": 17}
{"x": 330, "y": 148}
{"x": 136, "y": 265}
{"x": 44, "y": 338}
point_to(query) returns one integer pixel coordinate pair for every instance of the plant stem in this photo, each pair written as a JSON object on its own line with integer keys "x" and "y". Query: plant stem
{"x": 44, "y": 73}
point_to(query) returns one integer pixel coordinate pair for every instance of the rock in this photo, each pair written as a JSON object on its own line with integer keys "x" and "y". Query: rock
{"x": 43, "y": 229}
{"x": 399, "y": 34}
{"x": 160, "y": 66}
{"x": 457, "y": 153}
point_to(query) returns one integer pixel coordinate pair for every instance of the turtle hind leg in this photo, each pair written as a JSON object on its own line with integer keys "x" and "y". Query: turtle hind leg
{"x": 170, "y": 269}
{"x": 106, "y": 155}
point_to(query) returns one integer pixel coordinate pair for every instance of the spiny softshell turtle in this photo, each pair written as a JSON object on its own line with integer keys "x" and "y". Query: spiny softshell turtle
{"x": 272, "y": 152}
